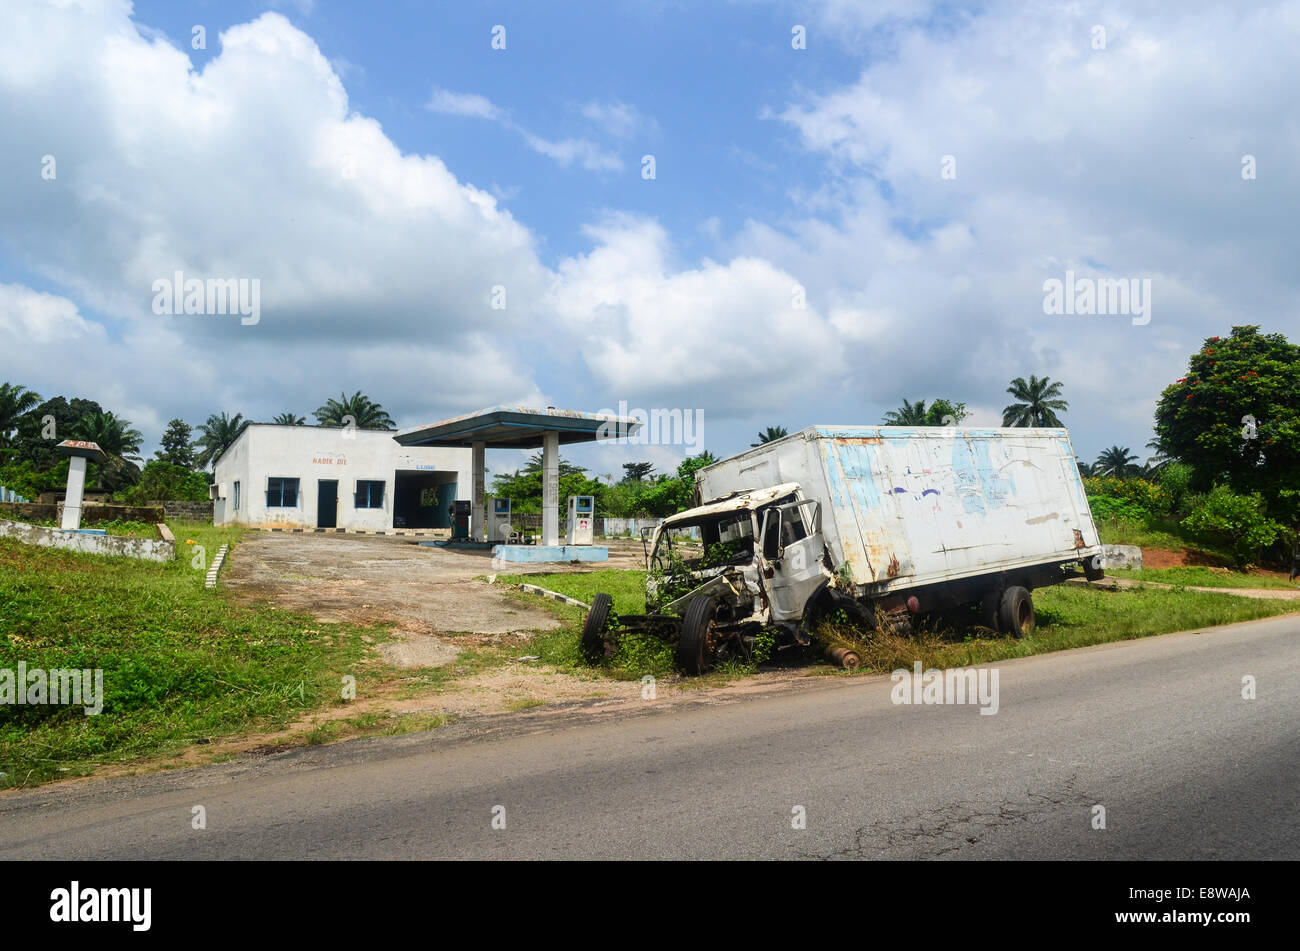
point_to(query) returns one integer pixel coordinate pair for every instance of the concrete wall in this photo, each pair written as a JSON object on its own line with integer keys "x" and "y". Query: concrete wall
{"x": 150, "y": 514}
{"x": 53, "y": 512}
{"x": 312, "y": 453}
{"x": 620, "y": 526}
{"x": 150, "y": 549}
{"x": 29, "y": 510}
{"x": 194, "y": 511}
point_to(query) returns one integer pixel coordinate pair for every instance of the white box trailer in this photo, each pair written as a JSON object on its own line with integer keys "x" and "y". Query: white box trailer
{"x": 889, "y": 523}
{"x": 904, "y": 507}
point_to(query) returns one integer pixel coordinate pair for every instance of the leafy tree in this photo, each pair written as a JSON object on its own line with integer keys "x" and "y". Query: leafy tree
{"x": 637, "y": 471}
{"x": 364, "y": 413}
{"x": 177, "y": 444}
{"x": 1234, "y": 417}
{"x": 770, "y": 434}
{"x": 15, "y": 402}
{"x": 1038, "y": 402}
{"x": 166, "y": 481}
{"x": 1236, "y": 522}
{"x": 1116, "y": 461}
{"x": 34, "y": 441}
{"x": 1085, "y": 468}
{"x": 290, "y": 419}
{"x": 944, "y": 412}
{"x": 216, "y": 436}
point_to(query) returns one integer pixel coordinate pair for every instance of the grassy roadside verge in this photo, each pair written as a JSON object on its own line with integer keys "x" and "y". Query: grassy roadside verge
{"x": 181, "y": 664}
{"x": 1199, "y": 576}
{"x": 1068, "y": 617}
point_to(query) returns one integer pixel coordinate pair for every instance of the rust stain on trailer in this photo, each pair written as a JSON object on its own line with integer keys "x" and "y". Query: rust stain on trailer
{"x": 858, "y": 440}
{"x": 892, "y": 570}
{"x": 1078, "y": 539}
{"x": 1041, "y": 519}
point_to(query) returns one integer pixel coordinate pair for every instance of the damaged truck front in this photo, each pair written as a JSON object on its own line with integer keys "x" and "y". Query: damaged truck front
{"x": 884, "y": 523}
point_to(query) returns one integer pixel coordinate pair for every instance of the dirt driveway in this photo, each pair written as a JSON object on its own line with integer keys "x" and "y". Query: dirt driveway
{"x": 371, "y": 579}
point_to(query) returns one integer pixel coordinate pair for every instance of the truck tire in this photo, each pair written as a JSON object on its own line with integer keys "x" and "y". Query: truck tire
{"x": 1016, "y": 614}
{"x": 593, "y": 629}
{"x": 695, "y": 647}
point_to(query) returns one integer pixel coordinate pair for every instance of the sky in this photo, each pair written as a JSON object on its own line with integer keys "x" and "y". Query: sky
{"x": 765, "y": 213}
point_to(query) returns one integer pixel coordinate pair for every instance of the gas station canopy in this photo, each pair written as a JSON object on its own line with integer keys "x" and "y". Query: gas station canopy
{"x": 519, "y": 427}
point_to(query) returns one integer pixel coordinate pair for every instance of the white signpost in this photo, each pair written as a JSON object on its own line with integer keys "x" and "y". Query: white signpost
{"x": 78, "y": 452}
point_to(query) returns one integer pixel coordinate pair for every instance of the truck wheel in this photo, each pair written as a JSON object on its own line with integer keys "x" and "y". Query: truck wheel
{"x": 593, "y": 630}
{"x": 695, "y": 643}
{"x": 1017, "y": 611}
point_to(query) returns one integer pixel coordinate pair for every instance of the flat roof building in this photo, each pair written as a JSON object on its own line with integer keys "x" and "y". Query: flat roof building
{"x": 308, "y": 477}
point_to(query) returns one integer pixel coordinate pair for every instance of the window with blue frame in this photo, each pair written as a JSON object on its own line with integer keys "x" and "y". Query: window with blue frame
{"x": 369, "y": 494}
{"x": 281, "y": 493}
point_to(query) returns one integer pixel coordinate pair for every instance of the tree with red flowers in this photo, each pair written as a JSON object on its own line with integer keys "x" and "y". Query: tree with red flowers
{"x": 1235, "y": 418}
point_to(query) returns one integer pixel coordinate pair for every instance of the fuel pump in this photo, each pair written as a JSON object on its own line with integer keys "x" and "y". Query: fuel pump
{"x": 582, "y": 520}
{"x": 460, "y": 510}
{"x": 498, "y": 522}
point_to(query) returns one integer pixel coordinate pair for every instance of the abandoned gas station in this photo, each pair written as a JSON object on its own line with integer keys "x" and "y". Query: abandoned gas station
{"x": 314, "y": 478}
{"x": 518, "y": 427}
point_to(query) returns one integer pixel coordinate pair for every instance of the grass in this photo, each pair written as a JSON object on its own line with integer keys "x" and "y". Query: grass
{"x": 627, "y": 588}
{"x": 638, "y": 654}
{"x": 1068, "y": 617}
{"x": 1200, "y": 576}
{"x": 180, "y": 663}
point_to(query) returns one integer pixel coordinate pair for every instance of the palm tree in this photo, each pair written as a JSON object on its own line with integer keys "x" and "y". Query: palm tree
{"x": 1158, "y": 460}
{"x": 114, "y": 436}
{"x": 1038, "y": 403}
{"x": 770, "y": 434}
{"x": 120, "y": 442}
{"x": 1116, "y": 461}
{"x": 290, "y": 419}
{"x": 365, "y": 413}
{"x": 216, "y": 435}
{"x": 909, "y": 414}
{"x": 15, "y": 401}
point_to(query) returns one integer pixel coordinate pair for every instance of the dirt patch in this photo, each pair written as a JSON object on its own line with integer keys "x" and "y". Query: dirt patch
{"x": 1177, "y": 558}
{"x": 423, "y": 592}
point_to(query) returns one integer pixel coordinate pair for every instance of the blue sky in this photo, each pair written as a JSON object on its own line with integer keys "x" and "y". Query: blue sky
{"x": 381, "y": 169}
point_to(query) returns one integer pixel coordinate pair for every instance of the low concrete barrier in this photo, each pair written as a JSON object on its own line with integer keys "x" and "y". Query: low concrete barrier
{"x": 1121, "y": 556}
{"x": 149, "y": 549}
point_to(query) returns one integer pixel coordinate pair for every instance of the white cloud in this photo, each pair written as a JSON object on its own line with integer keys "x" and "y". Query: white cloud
{"x": 582, "y": 151}
{"x": 462, "y": 104}
{"x": 619, "y": 119}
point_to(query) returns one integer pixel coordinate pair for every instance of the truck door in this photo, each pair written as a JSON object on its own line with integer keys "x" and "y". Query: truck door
{"x": 792, "y": 550}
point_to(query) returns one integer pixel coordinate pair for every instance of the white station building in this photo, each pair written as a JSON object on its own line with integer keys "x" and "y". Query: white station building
{"x": 313, "y": 477}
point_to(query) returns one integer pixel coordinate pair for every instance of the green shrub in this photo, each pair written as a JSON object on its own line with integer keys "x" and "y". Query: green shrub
{"x": 1235, "y": 522}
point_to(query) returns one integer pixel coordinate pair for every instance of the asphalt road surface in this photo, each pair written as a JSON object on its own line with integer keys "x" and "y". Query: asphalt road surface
{"x": 1156, "y": 731}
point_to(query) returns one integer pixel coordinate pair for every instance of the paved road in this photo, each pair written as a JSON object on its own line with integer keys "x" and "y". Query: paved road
{"x": 1155, "y": 730}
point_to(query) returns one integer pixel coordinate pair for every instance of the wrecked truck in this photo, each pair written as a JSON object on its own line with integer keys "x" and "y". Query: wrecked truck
{"x": 886, "y": 524}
